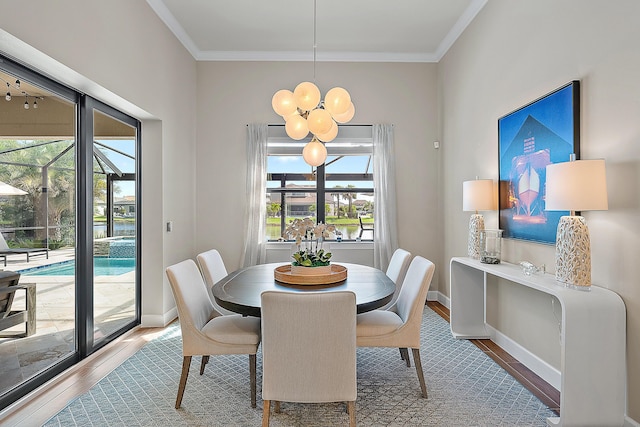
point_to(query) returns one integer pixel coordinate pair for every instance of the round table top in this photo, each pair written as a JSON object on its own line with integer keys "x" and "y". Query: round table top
{"x": 240, "y": 291}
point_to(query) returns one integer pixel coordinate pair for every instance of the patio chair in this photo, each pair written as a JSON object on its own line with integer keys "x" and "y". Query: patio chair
{"x": 365, "y": 227}
{"x": 8, "y": 317}
{"x": 6, "y": 250}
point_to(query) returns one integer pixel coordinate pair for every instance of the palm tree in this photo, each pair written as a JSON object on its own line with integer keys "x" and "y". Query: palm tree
{"x": 350, "y": 197}
{"x": 337, "y": 196}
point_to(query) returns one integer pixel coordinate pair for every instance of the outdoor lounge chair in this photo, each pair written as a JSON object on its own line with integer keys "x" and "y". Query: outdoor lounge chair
{"x": 6, "y": 250}
{"x": 8, "y": 317}
{"x": 365, "y": 227}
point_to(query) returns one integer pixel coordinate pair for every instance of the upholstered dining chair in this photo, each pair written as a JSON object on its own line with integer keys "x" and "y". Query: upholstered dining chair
{"x": 396, "y": 271}
{"x": 399, "y": 326}
{"x": 308, "y": 349}
{"x": 213, "y": 269}
{"x": 203, "y": 334}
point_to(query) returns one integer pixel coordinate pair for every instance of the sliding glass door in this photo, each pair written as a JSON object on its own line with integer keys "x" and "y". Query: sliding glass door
{"x": 69, "y": 227}
{"x": 114, "y": 225}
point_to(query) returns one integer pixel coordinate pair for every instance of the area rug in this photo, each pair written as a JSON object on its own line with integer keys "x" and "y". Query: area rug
{"x": 465, "y": 387}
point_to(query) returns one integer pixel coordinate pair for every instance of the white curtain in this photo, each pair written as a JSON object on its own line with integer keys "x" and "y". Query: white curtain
{"x": 256, "y": 212}
{"x": 385, "y": 240}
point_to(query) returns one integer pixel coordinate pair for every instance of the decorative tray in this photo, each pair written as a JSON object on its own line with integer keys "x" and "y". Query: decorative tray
{"x": 283, "y": 274}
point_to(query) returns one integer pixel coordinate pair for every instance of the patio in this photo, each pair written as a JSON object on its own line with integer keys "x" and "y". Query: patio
{"x": 21, "y": 358}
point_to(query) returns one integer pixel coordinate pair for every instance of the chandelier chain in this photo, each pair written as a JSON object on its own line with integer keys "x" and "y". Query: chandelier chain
{"x": 315, "y": 45}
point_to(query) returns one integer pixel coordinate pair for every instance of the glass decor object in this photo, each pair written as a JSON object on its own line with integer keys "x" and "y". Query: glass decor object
{"x": 530, "y": 269}
{"x": 490, "y": 246}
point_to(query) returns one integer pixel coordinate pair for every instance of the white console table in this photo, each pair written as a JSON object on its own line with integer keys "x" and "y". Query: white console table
{"x": 593, "y": 364}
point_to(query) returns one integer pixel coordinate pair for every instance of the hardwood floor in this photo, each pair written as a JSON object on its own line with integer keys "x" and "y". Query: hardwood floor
{"x": 40, "y": 405}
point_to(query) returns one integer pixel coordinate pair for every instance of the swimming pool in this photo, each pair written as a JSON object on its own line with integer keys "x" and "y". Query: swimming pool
{"x": 102, "y": 266}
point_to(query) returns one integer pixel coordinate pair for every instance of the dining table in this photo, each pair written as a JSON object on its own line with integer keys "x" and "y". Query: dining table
{"x": 240, "y": 290}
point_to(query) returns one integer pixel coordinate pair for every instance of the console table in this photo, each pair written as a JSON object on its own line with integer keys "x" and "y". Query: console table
{"x": 593, "y": 339}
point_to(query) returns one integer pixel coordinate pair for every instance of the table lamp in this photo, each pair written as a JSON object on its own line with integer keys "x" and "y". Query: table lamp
{"x": 576, "y": 185}
{"x": 477, "y": 195}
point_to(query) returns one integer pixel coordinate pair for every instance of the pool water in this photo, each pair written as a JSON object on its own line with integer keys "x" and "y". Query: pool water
{"x": 102, "y": 266}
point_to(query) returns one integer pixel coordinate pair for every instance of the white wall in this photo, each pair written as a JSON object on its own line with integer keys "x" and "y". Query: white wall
{"x": 233, "y": 94}
{"x": 120, "y": 52}
{"x": 511, "y": 54}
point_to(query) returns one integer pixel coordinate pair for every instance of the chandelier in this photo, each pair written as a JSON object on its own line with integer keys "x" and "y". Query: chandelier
{"x": 304, "y": 111}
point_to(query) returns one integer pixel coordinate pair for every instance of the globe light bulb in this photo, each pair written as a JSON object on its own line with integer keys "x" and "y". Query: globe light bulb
{"x": 307, "y": 96}
{"x": 296, "y": 127}
{"x": 283, "y": 103}
{"x": 319, "y": 121}
{"x": 347, "y": 116}
{"x": 337, "y": 101}
{"x": 331, "y": 135}
{"x": 314, "y": 153}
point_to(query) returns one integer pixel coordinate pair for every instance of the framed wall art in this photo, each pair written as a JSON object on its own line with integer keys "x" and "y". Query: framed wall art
{"x": 542, "y": 132}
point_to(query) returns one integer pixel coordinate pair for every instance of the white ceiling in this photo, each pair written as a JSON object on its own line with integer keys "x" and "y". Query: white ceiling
{"x": 346, "y": 30}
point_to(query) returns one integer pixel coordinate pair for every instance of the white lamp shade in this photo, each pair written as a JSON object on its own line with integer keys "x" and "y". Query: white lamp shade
{"x": 314, "y": 153}
{"x": 307, "y": 96}
{"x": 477, "y": 195}
{"x": 580, "y": 185}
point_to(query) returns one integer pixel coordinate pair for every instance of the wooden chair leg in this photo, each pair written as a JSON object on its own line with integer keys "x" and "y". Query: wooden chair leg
{"x": 404, "y": 353}
{"x": 186, "y": 362}
{"x": 265, "y": 412}
{"x": 418, "y": 363}
{"x": 252, "y": 375}
{"x": 276, "y": 408}
{"x": 351, "y": 408}
{"x": 205, "y": 360}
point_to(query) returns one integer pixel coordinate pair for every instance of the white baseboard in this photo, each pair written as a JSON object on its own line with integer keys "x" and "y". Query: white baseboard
{"x": 440, "y": 297}
{"x": 530, "y": 360}
{"x": 158, "y": 320}
{"x": 629, "y": 422}
{"x": 524, "y": 356}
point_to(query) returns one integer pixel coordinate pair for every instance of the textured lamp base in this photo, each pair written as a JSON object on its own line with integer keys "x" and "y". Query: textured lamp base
{"x": 573, "y": 253}
{"x": 476, "y": 225}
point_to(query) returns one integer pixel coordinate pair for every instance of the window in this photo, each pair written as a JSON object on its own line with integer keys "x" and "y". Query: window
{"x": 338, "y": 192}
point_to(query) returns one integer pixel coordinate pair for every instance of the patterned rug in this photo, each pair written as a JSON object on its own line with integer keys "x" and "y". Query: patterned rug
{"x": 466, "y": 388}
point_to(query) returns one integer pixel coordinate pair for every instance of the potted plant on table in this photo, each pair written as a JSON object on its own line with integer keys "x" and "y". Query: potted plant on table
{"x": 310, "y": 258}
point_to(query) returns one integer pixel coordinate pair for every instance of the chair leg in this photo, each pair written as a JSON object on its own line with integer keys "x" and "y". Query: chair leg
{"x": 276, "y": 408}
{"x": 205, "y": 360}
{"x": 418, "y": 363}
{"x": 351, "y": 407}
{"x": 266, "y": 404}
{"x": 252, "y": 374}
{"x": 186, "y": 362}
{"x": 404, "y": 354}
